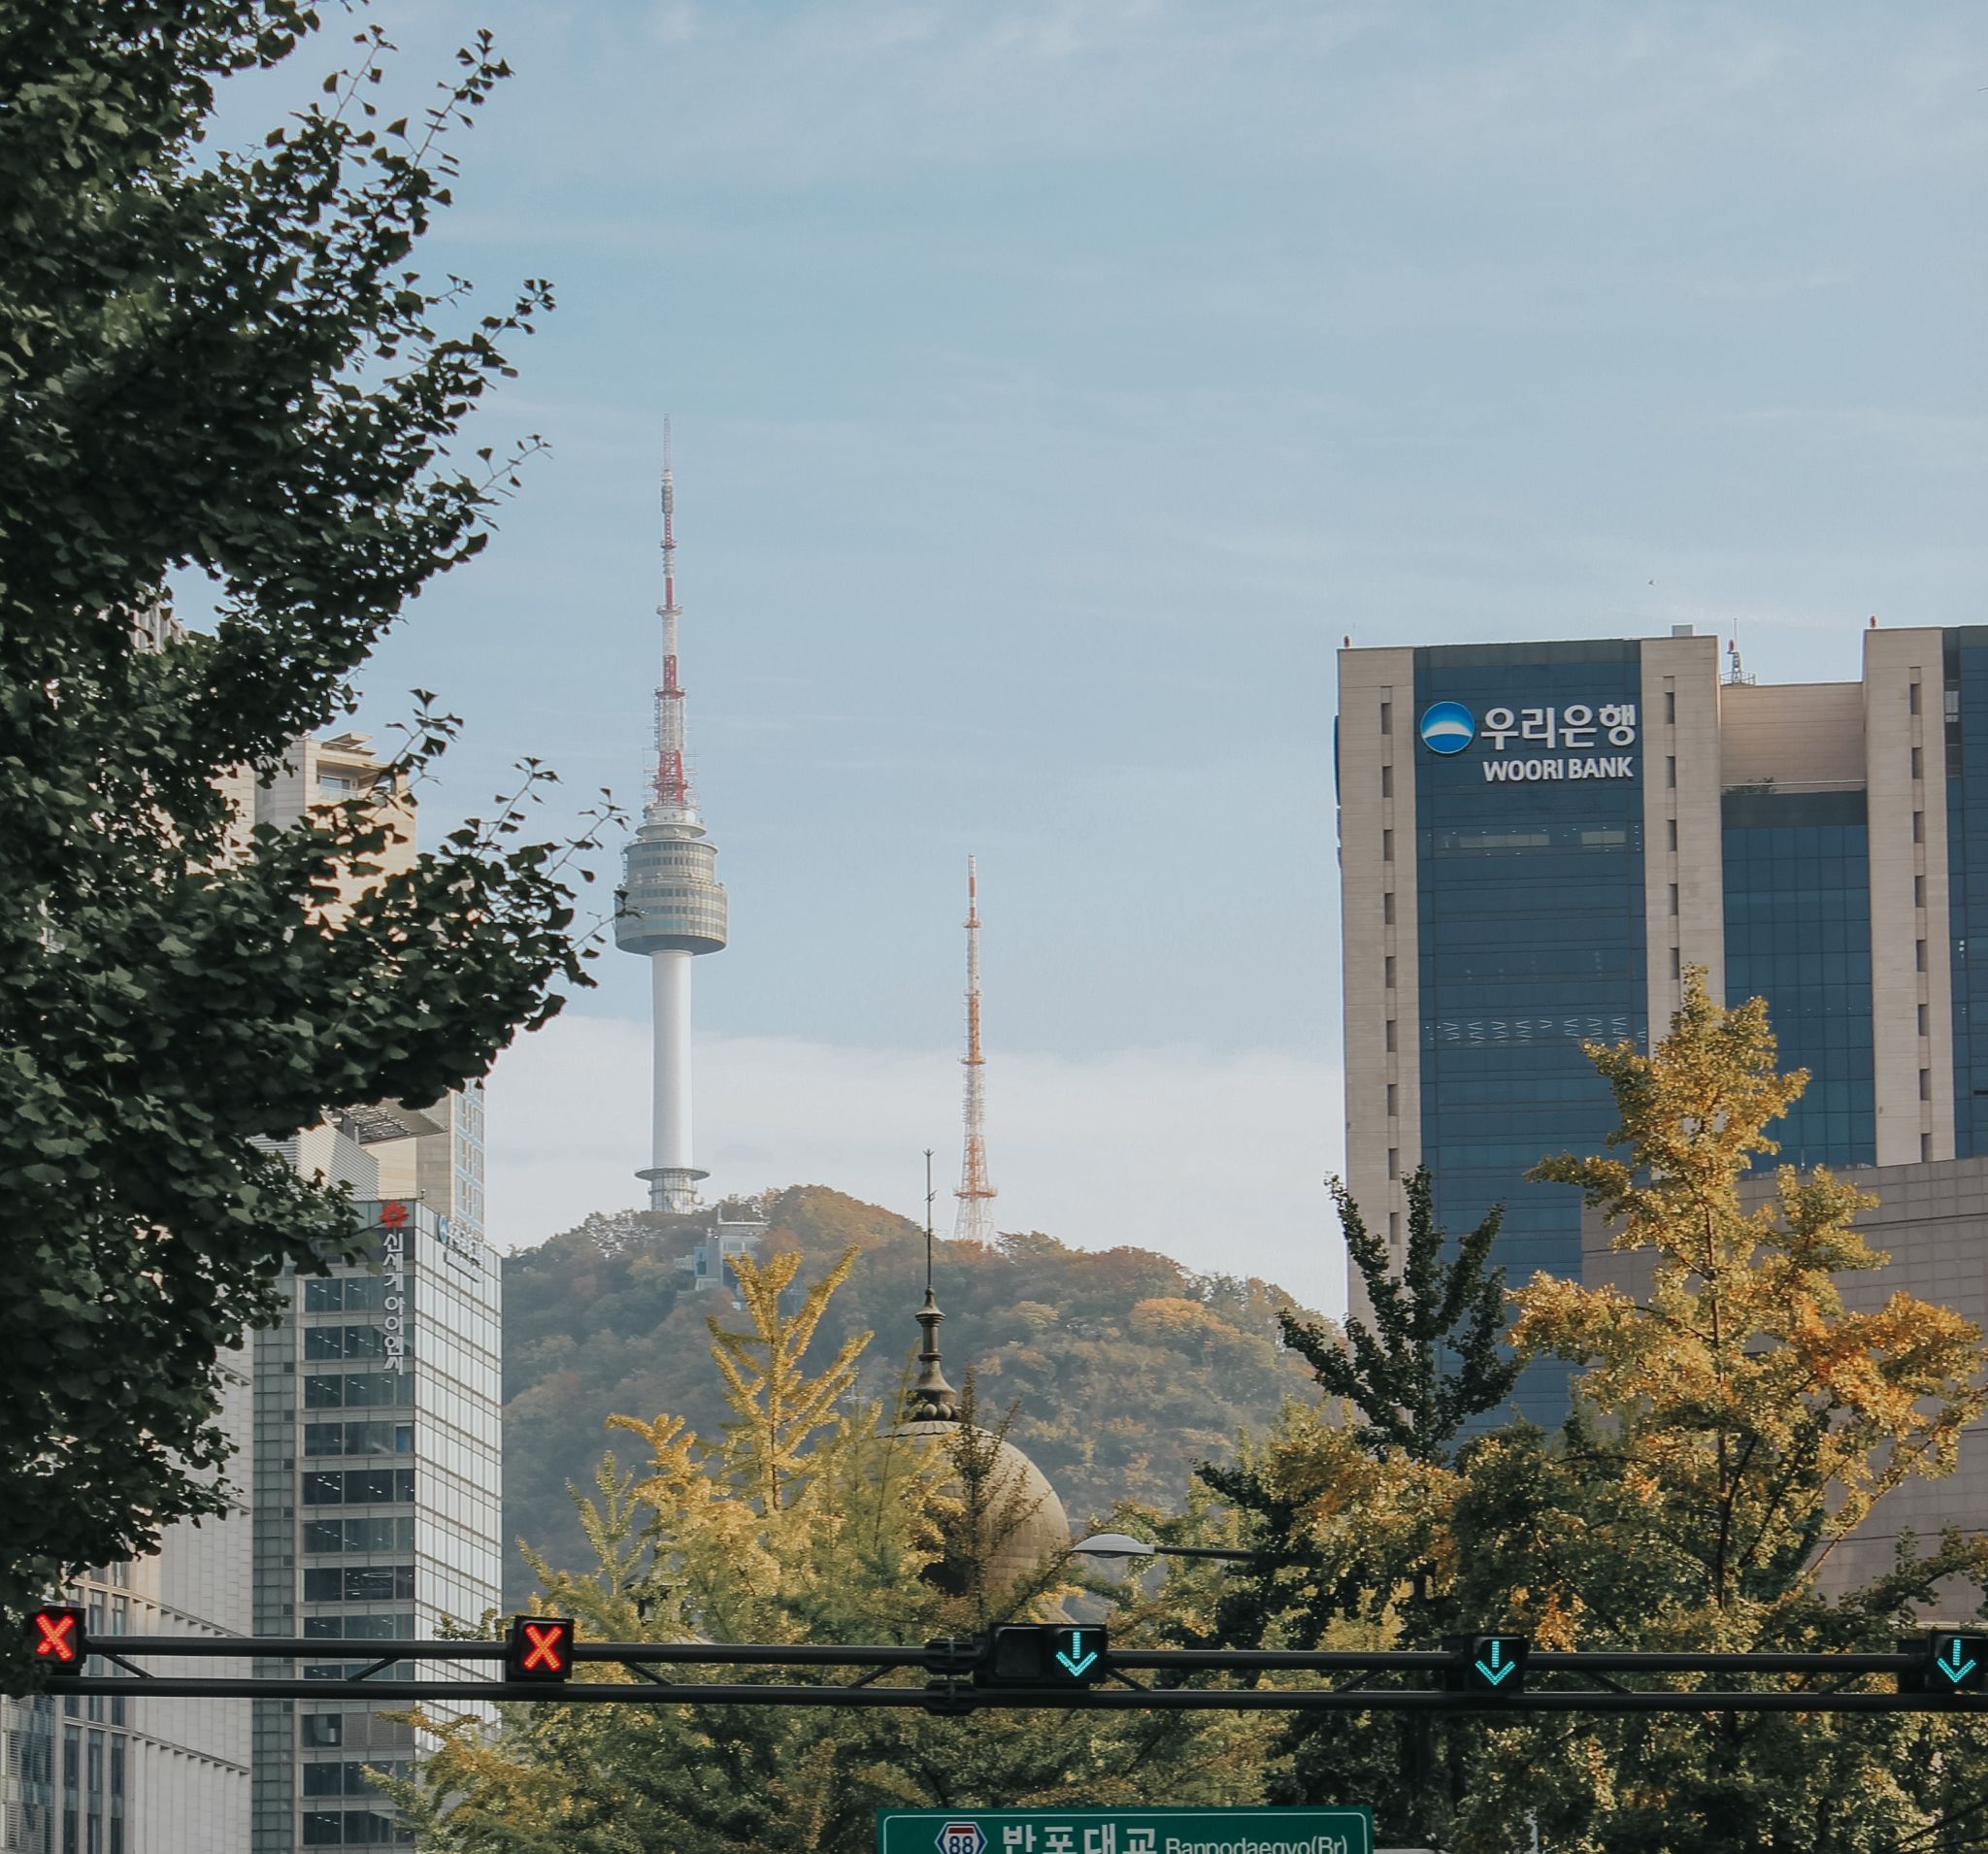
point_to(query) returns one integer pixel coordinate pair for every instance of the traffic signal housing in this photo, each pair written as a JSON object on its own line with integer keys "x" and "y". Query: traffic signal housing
{"x": 1043, "y": 1654}
{"x": 1953, "y": 1661}
{"x": 57, "y": 1638}
{"x": 1487, "y": 1664}
{"x": 539, "y": 1649}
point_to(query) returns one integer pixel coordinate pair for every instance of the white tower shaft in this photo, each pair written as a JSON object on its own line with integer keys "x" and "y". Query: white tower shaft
{"x": 670, "y": 1146}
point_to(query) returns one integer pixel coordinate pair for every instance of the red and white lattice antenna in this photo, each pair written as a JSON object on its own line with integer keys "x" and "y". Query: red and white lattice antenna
{"x": 672, "y": 780}
{"x": 976, "y": 1220}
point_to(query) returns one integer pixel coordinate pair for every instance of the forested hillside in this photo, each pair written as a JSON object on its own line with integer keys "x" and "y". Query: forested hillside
{"x": 1124, "y": 1368}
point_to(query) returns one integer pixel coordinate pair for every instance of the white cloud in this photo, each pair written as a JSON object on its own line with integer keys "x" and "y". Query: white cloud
{"x": 1212, "y": 1159}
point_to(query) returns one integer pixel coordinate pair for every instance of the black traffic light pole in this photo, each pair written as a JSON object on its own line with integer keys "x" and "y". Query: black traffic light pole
{"x": 963, "y": 1676}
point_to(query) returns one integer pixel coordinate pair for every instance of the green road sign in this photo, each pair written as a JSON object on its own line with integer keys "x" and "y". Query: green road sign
{"x": 1124, "y": 1831}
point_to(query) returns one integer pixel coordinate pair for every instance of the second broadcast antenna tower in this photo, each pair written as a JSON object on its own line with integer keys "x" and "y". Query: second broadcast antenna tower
{"x": 976, "y": 1220}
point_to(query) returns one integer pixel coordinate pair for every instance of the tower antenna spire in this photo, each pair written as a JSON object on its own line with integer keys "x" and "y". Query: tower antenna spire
{"x": 976, "y": 1220}
{"x": 671, "y": 780}
{"x": 675, "y": 906}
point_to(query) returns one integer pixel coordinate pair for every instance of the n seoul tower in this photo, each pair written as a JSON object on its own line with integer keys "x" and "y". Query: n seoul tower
{"x": 673, "y": 904}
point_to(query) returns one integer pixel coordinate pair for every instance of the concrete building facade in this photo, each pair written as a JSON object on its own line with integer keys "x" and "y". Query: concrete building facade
{"x": 378, "y": 1508}
{"x": 1536, "y": 840}
{"x": 378, "y": 1467}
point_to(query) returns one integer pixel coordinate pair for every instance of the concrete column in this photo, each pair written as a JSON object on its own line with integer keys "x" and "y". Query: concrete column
{"x": 1684, "y": 893}
{"x": 1911, "y": 979}
{"x": 1378, "y": 846}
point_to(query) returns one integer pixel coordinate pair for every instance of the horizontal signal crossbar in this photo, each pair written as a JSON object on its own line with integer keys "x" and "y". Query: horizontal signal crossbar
{"x": 1044, "y": 1665}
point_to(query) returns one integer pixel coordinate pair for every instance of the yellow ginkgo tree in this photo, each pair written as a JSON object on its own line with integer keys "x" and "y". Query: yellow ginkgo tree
{"x": 812, "y": 1518}
{"x": 1732, "y": 1421}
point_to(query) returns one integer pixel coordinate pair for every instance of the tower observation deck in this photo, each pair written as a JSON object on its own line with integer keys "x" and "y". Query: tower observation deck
{"x": 673, "y": 905}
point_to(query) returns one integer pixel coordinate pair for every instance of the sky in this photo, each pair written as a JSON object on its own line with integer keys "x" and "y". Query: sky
{"x": 1054, "y": 386}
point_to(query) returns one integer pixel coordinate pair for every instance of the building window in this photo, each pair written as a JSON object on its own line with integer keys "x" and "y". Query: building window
{"x": 1918, "y": 763}
{"x": 1394, "y": 1100}
{"x": 1387, "y": 717}
{"x": 1671, "y": 708}
{"x": 1387, "y": 847}
{"x": 1912, "y": 697}
{"x": 1670, "y": 769}
{"x": 1676, "y": 966}
{"x": 1672, "y": 822}
{"x": 1920, "y": 955}
{"x": 1387, "y": 781}
{"x": 1925, "y": 1148}
{"x": 1925, "y": 1084}
{"x": 1388, "y": 908}
{"x": 1394, "y": 1228}
{"x": 1922, "y": 1020}
{"x": 1387, "y": 969}
{"x": 1673, "y": 898}
{"x": 1394, "y": 1162}
{"x": 1390, "y": 1036}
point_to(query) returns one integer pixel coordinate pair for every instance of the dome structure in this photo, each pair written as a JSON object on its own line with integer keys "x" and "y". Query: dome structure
{"x": 1025, "y": 1517}
{"x": 1025, "y": 1513}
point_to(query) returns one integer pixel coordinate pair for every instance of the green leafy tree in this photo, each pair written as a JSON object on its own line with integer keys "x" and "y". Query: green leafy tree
{"x": 217, "y": 365}
{"x": 766, "y": 1535}
{"x": 1433, "y": 1358}
{"x": 1348, "y": 1519}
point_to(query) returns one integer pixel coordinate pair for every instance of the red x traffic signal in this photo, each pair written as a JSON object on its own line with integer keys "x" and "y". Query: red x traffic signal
{"x": 539, "y": 1649}
{"x": 56, "y": 1639}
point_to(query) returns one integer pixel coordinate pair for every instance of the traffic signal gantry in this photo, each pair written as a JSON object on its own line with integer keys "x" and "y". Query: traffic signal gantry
{"x": 1068, "y": 1666}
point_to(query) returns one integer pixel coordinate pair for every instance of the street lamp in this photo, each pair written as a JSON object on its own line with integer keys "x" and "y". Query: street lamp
{"x": 1122, "y": 1544}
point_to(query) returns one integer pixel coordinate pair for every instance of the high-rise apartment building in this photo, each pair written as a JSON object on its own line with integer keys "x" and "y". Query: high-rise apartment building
{"x": 378, "y": 1515}
{"x": 378, "y": 1471}
{"x": 1536, "y": 840}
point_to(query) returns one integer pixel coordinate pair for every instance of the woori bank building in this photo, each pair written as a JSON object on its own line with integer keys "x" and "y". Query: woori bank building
{"x": 1536, "y": 840}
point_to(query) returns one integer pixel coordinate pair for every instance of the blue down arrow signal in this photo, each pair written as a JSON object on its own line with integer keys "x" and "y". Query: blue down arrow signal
{"x": 1079, "y": 1651}
{"x": 1952, "y": 1666}
{"x": 1486, "y": 1662}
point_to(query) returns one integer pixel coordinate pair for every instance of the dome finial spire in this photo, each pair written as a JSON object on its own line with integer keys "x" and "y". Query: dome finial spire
{"x": 932, "y": 1399}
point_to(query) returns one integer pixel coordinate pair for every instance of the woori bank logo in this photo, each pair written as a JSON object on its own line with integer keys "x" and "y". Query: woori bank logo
{"x": 1447, "y": 727}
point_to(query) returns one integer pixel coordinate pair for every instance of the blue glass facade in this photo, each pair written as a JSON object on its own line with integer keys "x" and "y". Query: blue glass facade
{"x": 1797, "y": 934}
{"x": 1530, "y": 938}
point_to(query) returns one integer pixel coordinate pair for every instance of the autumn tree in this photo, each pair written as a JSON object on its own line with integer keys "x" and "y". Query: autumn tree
{"x": 217, "y": 366}
{"x": 1733, "y": 1423}
{"x": 812, "y": 1522}
{"x": 1122, "y": 1369}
